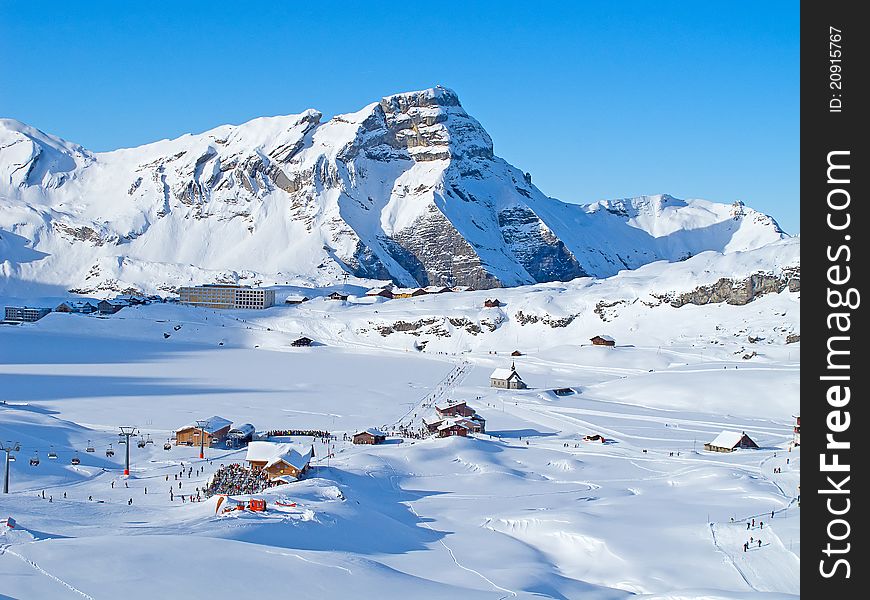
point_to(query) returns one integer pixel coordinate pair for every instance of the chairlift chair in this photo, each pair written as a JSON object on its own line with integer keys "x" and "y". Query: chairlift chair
{"x": 90, "y": 447}
{"x": 34, "y": 460}
{"x": 75, "y": 460}
{"x": 140, "y": 444}
{"x": 167, "y": 445}
{"x": 149, "y": 440}
{"x": 109, "y": 451}
{"x": 122, "y": 439}
{"x": 52, "y": 454}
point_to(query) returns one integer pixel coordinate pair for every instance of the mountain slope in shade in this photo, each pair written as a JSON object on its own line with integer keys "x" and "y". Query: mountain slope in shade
{"x": 407, "y": 189}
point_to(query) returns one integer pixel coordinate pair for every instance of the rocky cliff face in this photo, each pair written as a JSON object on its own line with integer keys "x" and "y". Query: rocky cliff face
{"x": 407, "y": 189}
{"x": 738, "y": 292}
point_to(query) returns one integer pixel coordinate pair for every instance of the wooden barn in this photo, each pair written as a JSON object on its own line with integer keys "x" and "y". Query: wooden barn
{"x": 516, "y": 353}
{"x": 337, "y": 296}
{"x": 280, "y": 461}
{"x": 369, "y": 436}
{"x": 492, "y": 303}
{"x": 729, "y": 441}
{"x": 302, "y": 342}
{"x": 602, "y": 340}
{"x": 295, "y": 299}
{"x": 507, "y": 379}
{"x": 215, "y": 429}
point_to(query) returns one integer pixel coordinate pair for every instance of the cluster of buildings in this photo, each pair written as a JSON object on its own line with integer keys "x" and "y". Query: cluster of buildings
{"x": 281, "y": 462}
{"x": 29, "y": 314}
{"x": 399, "y": 292}
{"x": 454, "y": 418}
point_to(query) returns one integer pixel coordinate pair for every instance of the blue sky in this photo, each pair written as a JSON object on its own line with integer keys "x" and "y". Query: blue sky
{"x": 595, "y": 99}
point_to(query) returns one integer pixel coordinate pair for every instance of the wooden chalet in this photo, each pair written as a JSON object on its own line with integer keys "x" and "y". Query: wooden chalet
{"x": 602, "y": 340}
{"x": 76, "y": 306}
{"x": 729, "y": 441}
{"x": 507, "y": 379}
{"x": 369, "y": 436}
{"x": 408, "y": 292}
{"x": 454, "y": 409}
{"x": 380, "y": 292}
{"x": 337, "y": 296}
{"x": 516, "y": 353}
{"x": 295, "y": 299}
{"x": 110, "y": 307}
{"x": 492, "y": 303}
{"x": 436, "y": 289}
{"x": 595, "y": 437}
{"x": 461, "y": 288}
{"x": 452, "y": 427}
{"x": 458, "y": 412}
{"x": 215, "y": 430}
{"x": 302, "y": 342}
{"x": 284, "y": 462}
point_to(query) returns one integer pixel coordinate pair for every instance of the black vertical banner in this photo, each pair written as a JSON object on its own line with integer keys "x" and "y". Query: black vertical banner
{"x": 834, "y": 251}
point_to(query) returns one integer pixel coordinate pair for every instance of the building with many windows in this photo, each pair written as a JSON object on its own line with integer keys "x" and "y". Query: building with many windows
{"x": 226, "y": 295}
{"x": 25, "y": 313}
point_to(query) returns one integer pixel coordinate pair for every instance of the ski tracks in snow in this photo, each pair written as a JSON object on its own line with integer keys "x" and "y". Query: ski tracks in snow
{"x": 6, "y": 550}
{"x": 508, "y": 593}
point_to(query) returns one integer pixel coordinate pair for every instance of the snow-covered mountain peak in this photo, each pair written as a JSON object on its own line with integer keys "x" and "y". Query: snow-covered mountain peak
{"x": 406, "y": 189}
{"x": 30, "y": 157}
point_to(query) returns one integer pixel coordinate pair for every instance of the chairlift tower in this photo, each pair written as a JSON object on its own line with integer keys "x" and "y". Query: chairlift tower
{"x": 127, "y": 433}
{"x": 202, "y": 425}
{"x": 8, "y": 448}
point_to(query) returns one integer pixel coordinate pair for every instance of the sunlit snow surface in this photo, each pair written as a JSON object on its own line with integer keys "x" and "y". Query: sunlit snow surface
{"x": 531, "y": 511}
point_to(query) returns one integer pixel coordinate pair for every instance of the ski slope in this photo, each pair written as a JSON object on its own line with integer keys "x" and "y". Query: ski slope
{"x": 527, "y": 510}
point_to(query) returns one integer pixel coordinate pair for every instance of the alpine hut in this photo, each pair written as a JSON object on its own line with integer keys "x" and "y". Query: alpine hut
{"x": 279, "y": 461}
{"x": 729, "y": 441}
{"x": 369, "y": 436}
{"x": 215, "y": 430}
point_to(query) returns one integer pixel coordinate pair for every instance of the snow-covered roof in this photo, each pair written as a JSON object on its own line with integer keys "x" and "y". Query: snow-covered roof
{"x": 435, "y": 289}
{"x": 448, "y": 423}
{"x": 118, "y": 302}
{"x": 461, "y": 288}
{"x": 398, "y": 291}
{"x": 295, "y": 457}
{"x": 213, "y": 424}
{"x": 606, "y": 338}
{"x": 242, "y": 429}
{"x": 727, "y": 439}
{"x": 372, "y": 431}
{"x": 449, "y": 405}
{"x": 78, "y": 304}
{"x": 270, "y": 453}
{"x": 504, "y": 374}
{"x": 295, "y": 298}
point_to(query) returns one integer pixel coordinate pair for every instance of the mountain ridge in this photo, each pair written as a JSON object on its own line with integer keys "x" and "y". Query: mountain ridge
{"x": 406, "y": 189}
